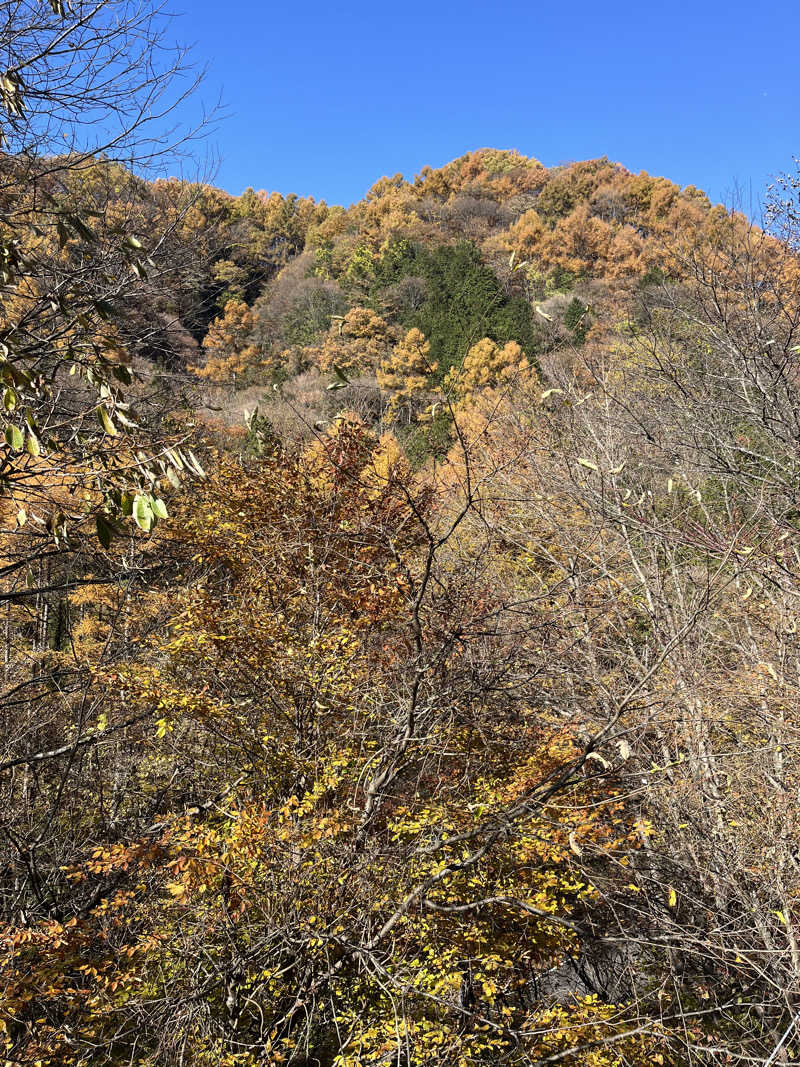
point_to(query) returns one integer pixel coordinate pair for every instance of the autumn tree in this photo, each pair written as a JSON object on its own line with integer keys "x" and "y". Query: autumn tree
{"x": 487, "y": 364}
{"x": 356, "y": 342}
{"x": 229, "y": 343}
{"x": 405, "y": 376}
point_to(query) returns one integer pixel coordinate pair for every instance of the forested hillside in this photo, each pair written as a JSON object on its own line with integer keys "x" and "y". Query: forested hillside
{"x": 400, "y": 604}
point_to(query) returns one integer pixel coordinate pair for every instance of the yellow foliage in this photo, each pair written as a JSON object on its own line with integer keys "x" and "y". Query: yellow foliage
{"x": 487, "y": 364}
{"x": 405, "y": 373}
{"x": 355, "y": 344}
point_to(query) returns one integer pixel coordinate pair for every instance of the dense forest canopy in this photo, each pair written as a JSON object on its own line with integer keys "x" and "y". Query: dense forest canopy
{"x": 399, "y": 602}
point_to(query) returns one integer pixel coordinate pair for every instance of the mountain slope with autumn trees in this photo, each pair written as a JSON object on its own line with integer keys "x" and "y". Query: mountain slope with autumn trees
{"x": 284, "y": 285}
{"x": 443, "y": 709}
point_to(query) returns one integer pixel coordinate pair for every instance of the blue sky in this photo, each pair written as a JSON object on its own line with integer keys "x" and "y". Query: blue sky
{"x": 325, "y": 98}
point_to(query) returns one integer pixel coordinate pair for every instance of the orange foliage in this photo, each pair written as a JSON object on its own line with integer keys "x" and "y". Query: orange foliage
{"x": 228, "y": 341}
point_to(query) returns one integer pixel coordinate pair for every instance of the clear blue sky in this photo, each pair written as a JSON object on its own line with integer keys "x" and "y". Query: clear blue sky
{"x": 325, "y": 98}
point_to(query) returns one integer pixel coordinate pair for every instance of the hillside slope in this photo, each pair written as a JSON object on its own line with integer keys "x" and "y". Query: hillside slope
{"x": 463, "y": 254}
